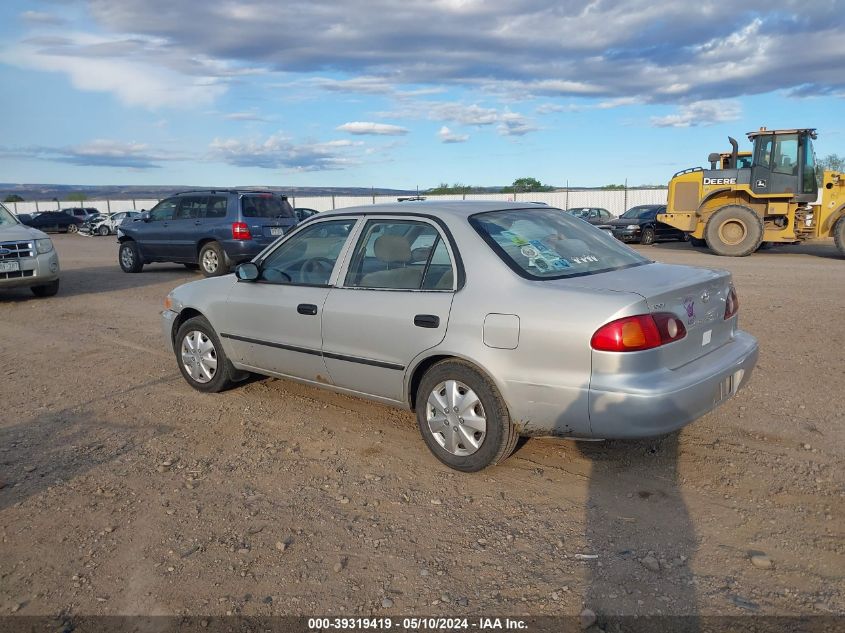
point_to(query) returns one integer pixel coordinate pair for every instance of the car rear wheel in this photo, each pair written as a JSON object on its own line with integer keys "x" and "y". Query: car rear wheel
{"x": 103, "y": 230}
{"x": 463, "y": 418}
{"x": 647, "y": 236}
{"x": 129, "y": 257}
{"x": 201, "y": 358}
{"x": 46, "y": 290}
{"x": 734, "y": 231}
{"x": 72, "y": 228}
{"x": 213, "y": 261}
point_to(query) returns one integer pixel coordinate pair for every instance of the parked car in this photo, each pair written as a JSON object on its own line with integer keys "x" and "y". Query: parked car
{"x": 58, "y": 221}
{"x": 212, "y": 229}
{"x": 27, "y": 257}
{"x": 83, "y": 213}
{"x": 107, "y": 224}
{"x": 303, "y": 213}
{"x": 639, "y": 224}
{"x": 489, "y": 319}
{"x": 593, "y": 215}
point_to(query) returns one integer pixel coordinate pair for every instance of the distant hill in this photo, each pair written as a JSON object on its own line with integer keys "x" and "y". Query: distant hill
{"x": 129, "y": 192}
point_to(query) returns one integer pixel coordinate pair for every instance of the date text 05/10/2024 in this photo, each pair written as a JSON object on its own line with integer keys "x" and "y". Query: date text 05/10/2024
{"x": 417, "y": 624}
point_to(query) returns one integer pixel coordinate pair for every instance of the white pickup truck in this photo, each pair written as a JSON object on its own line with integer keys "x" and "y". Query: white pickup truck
{"x": 27, "y": 257}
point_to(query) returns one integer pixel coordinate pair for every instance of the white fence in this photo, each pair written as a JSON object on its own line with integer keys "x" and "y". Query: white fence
{"x": 615, "y": 201}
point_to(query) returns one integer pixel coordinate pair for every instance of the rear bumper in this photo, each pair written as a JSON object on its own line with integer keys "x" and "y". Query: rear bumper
{"x": 644, "y": 405}
{"x": 244, "y": 250}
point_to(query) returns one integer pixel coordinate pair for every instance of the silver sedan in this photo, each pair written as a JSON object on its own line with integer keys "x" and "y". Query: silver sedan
{"x": 490, "y": 320}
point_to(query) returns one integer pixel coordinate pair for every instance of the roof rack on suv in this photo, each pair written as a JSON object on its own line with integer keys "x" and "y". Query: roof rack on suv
{"x": 228, "y": 190}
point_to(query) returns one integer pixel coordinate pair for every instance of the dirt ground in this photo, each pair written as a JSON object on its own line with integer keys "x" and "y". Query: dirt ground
{"x": 124, "y": 491}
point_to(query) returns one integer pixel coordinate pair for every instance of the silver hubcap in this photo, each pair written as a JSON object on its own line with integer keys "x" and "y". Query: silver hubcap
{"x": 71, "y": 228}
{"x": 456, "y": 418}
{"x": 199, "y": 358}
{"x": 127, "y": 258}
{"x": 210, "y": 261}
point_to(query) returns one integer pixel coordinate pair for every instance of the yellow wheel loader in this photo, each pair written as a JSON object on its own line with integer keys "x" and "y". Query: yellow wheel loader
{"x": 738, "y": 205}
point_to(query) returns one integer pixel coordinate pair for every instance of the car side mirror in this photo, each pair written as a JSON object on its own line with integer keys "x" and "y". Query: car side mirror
{"x": 247, "y": 272}
{"x": 145, "y": 216}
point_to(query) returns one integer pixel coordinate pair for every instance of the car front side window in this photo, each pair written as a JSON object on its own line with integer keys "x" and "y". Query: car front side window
{"x": 164, "y": 210}
{"x": 309, "y": 256}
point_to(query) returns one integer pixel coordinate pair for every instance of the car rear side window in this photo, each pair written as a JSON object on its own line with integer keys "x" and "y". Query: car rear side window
{"x": 548, "y": 244}
{"x": 400, "y": 255}
{"x": 265, "y": 206}
{"x": 191, "y": 207}
{"x": 216, "y": 207}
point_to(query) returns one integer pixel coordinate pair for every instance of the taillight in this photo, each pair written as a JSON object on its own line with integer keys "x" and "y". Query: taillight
{"x": 240, "y": 231}
{"x": 731, "y": 304}
{"x": 637, "y": 333}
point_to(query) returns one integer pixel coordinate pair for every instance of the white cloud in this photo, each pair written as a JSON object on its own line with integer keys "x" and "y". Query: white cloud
{"x": 135, "y": 83}
{"x": 375, "y": 129}
{"x": 248, "y": 115}
{"x": 514, "y": 124}
{"x": 97, "y": 153}
{"x": 281, "y": 152}
{"x": 42, "y": 18}
{"x": 700, "y": 113}
{"x": 447, "y": 136}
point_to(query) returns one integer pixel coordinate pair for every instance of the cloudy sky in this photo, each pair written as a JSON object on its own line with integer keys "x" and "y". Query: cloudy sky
{"x": 405, "y": 93}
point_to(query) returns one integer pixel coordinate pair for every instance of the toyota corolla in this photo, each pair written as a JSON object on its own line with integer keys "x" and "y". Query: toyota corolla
{"x": 490, "y": 320}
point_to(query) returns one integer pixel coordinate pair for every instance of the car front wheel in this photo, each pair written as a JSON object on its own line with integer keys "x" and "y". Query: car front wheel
{"x": 72, "y": 228}
{"x": 47, "y": 290}
{"x": 647, "y": 236}
{"x": 201, "y": 358}
{"x": 103, "y": 230}
{"x": 463, "y": 418}
{"x": 130, "y": 257}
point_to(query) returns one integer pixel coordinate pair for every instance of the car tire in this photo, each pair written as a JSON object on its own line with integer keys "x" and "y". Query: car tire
{"x": 129, "y": 257}
{"x": 734, "y": 231}
{"x": 46, "y": 290}
{"x": 196, "y": 346}
{"x": 684, "y": 237}
{"x": 103, "y": 230}
{"x": 839, "y": 235}
{"x": 647, "y": 236}
{"x": 72, "y": 228}
{"x": 493, "y": 429}
{"x": 212, "y": 260}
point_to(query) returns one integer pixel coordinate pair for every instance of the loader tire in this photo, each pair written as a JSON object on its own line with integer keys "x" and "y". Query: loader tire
{"x": 734, "y": 231}
{"x": 839, "y": 235}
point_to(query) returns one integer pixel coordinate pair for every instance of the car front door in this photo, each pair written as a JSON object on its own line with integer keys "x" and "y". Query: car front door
{"x": 153, "y": 235}
{"x": 392, "y": 304}
{"x": 273, "y": 324}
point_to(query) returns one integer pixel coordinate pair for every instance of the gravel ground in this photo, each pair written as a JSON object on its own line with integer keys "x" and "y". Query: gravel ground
{"x": 124, "y": 491}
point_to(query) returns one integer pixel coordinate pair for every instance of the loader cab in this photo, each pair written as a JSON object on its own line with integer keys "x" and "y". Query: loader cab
{"x": 783, "y": 162}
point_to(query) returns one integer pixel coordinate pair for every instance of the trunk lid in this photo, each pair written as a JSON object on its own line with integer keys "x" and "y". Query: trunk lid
{"x": 696, "y": 296}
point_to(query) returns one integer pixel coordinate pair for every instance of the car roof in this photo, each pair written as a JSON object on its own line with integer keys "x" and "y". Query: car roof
{"x": 437, "y": 208}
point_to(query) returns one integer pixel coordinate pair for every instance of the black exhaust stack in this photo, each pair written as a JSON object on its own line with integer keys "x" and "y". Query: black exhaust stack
{"x": 734, "y": 152}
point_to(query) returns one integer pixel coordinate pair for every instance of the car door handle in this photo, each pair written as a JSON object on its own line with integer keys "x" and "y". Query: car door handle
{"x": 308, "y": 309}
{"x": 197, "y": 223}
{"x": 427, "y": 320}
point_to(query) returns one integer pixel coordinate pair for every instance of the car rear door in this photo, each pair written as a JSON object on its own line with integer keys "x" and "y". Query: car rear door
{"x": 392, "y": 304}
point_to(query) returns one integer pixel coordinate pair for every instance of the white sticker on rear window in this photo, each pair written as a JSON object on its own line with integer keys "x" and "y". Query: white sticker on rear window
{"x": 705, "y": 340}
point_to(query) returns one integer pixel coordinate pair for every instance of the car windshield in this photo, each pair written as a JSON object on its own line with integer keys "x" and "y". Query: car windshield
{"x": 638, "y": 212}
{"x": 6, "y": 217}
{"x": 580, "y": 213}
{"x": 548, "y": 244}
{"x": 266, "y": 206}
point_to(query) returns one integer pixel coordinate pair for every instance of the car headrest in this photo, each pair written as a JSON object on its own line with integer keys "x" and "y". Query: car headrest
{"x": 392, "y": 249}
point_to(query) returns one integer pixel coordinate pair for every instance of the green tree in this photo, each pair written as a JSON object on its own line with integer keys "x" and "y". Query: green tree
{"x": 13, "y": 197}
{"x": 526, "y": 184}
{"x": 445, "y": 188}
{"x": 612, "y": 187}
{"x": 831, "y": 162}
{"x": 76, "y": 197}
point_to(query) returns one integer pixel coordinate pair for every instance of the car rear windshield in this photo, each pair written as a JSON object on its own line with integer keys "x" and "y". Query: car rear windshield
{"x": 550, "y": 244}
{"x": 265, "y": 206}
